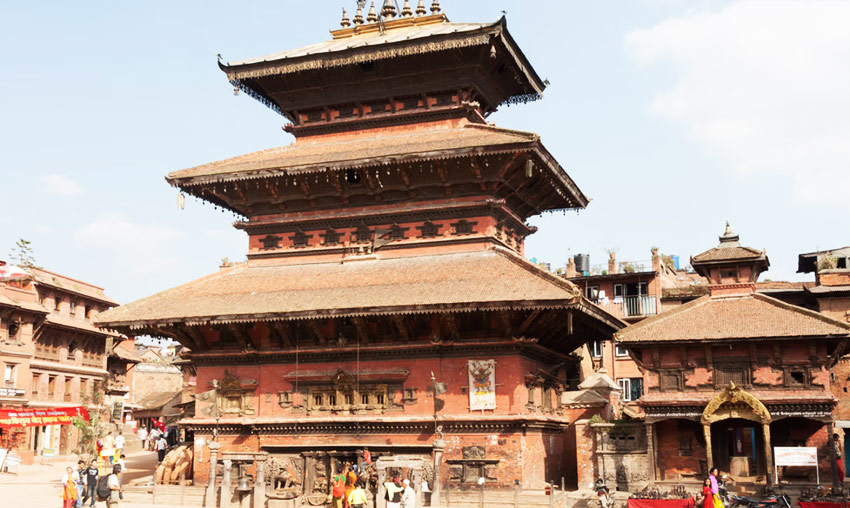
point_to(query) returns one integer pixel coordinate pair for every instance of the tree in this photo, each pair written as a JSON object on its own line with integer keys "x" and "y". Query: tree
{"x": 91, "y": 430}
{"x": 22, "y": 254}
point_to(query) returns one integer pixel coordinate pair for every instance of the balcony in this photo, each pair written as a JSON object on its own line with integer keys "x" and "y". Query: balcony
{"x": 629, "y": 306}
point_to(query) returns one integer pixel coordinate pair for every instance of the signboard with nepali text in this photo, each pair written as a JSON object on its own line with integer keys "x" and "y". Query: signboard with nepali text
{"x": 795, "y": 456}
{"x": 37, "y": 417}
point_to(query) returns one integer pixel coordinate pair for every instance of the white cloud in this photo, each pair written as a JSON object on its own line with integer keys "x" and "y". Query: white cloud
{"x": 765, "y": 85}
{"x": 59, "y": 185}
{"x": 139, "y": 248}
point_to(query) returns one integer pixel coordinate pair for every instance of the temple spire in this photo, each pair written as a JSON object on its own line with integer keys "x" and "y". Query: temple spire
{"x": 388, "y": 10}
{"x": 345, "y": 23}
{"x": 420, "y": 9}
{"x": 372, "y": 17}
{"x": 728, "y": 238}
{"x": 358, "y": 17}
{"x": 435, "y": 7}
{"x": 406, "y": 11}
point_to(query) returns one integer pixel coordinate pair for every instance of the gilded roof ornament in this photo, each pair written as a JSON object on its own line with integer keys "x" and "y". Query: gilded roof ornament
{"x": 420, "y": 9}
{"x": 435, "y": 7}
{"x": 406, "y": 11}
{"x": 372, "y": 17}
{"x": 388, "y": 10}
{"x": 345, "y": 23}
{"x": 358, "y": 17}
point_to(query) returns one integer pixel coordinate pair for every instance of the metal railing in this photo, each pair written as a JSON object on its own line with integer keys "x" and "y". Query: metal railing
{"x": 629, "y": 306}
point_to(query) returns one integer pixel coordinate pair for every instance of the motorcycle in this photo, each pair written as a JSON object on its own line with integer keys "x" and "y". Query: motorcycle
{"x": 603, "y": 495}
{"x": 781, "y": 501}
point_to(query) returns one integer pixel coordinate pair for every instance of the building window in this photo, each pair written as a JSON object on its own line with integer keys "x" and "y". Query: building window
{"x": 51, "y": 386}
{"x": 397, "y": 232}
{"x": 631, "y": 388}
{"x": 68, "y": 387}
{"x": 363, "y": 234}
{"x": 270, "y": 242}
{"x": 596, "y": 348}
{"x": 300, "y": 239}
{"x": 73, "y": 309}
{"x": 725, "y": 373}
{"x": 621, "y": 351}
{"x": 9, "y": 374}
{"x": 619, "y": 292}
{"x": 331, "y": 237}
{"x": 670, "y": 381}
{"x": 57, "y": 303}
{"x": 429, "y": 229}
{"x": 36, "y": 378}
{"x": 464, "y": 227}
{"x": 592, "y": 293}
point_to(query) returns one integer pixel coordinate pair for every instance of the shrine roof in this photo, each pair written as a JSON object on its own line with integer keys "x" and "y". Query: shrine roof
{"x": 729, "y": 253}
{"x": 754, "y": 316}
{"x": 368, "y": 150}
{"x": 492, "y": 279}
{"x": 782, "y": 396}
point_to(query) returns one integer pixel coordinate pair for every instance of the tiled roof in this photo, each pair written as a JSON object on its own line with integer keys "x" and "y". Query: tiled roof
{"x": 485, "y": 279}
{"x": 305, "y": 157}
{"x": 158, "y": 399}
{"x": 728, "y": 253}
{"x": 67, "y": 284}
{"x": 765, "y": 396}
{"x": 733, "y": 317}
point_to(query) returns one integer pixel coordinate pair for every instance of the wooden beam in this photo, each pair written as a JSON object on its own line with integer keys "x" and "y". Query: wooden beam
{"x": 451, "y": 325}
{"x": 507, "y": 324}
{"x": 444, "y": 176}
{"x": 362, "y": 330}
{"x": 402, "y": 327}
{"x": 242, "y": 336}
{"x": 526, "y": 324}
{"x": 316, "y": 332}
{"x": 282, "y": 332}
{"x": 508, "y": 165}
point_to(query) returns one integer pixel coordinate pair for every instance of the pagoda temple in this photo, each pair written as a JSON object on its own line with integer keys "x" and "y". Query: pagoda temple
{"x": 733, "y": 375}
{"x": 386, "y": 315}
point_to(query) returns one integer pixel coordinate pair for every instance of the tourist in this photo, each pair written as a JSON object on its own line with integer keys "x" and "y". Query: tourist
{"x": 114, "y": 484}
{"x": 91, "y": 483}
{"x": 69, "y": 488}
{"x": 357, "y": 498}
{"x": 119, "y": 442}
{"x": 394, "y": 491}
{"x": 108, "y": 449}
{"x": 836, "y": 441}
{"x": 707, "y": 496}
{"x": 79, "y": 478}
{"x": 161, "y": 444}
{"x": 152, "y": 438}
{"x": 143, "y": 436}
{"x": 408, "y": 497}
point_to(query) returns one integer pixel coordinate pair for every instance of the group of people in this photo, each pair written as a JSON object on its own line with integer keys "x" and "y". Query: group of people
{"x": 348, "y": 489}
{"x": 79, "y": 486}
{"x": 154, "y": 440}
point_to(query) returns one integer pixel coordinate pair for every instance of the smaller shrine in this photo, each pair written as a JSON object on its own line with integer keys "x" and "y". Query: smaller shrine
{"x": 733, "y": 374}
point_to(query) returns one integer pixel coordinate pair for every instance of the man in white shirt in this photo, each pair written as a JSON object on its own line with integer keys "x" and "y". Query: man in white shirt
{"x": 161, "y": 444}
{"x": 408, "y": 497}
{"x": 119, "y": 442}
{"x": 143, "y": 435}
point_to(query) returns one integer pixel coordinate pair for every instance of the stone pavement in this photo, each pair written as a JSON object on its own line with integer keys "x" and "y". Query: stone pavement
{"x": 39, "y": 486}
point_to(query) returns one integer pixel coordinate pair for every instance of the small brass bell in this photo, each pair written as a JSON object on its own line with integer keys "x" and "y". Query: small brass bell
{"x": 243, "y": 484}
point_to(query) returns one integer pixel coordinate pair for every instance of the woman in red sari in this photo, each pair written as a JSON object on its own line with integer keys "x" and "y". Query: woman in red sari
{"x": 707, "y": 495}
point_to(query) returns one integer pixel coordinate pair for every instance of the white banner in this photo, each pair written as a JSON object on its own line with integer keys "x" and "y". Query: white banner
{"x": 482, "y": 384}
{"x": 795, "y": 456}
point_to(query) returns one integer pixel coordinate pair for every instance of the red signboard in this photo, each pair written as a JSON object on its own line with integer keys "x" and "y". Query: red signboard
{"x": 36, "y": 417}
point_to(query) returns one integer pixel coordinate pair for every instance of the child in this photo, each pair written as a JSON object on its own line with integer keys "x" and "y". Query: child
{"x": 707, "y": 495}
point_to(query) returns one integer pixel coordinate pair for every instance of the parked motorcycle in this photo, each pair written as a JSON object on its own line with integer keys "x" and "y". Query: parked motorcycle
{"x": 781, "y": 501}
{"x": 603, "y": 495}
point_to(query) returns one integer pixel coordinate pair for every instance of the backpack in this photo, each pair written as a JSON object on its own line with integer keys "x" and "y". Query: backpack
{"x": 103, "y": 487}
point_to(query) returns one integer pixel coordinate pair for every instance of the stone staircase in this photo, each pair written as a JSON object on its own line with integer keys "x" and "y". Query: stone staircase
{"x": 171, "y": 495}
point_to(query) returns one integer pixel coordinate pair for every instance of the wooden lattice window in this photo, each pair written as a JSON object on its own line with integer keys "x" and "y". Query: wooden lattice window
{"x": 429, "y": 229}
{"x": 271, "y": 242}
{"x": 725, "y": 373}
{"x": 411, "y": 103}
{"x": 363, "y": 233}
{"x": 397, "y": 232}
{"x": 331, "y": 237}
{"x": 314, "y": 116}
{"x": 671, "y": 381}
{"x": 346, "y": 112}
{"x": 444, "y": 99}
{"x": 377, "y": 108}
{"x": 300, "y": 239}
{"x": 463, "y": 227}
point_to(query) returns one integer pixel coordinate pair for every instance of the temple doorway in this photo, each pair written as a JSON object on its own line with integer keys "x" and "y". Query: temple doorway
{"x": 738, "y": 447}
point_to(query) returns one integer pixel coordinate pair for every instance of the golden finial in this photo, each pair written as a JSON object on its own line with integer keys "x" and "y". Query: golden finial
{"x": 420, "y": 9}
{"x": 372, "y": 16}
{"x": 345, "y": 23}
{"x": 388, "y": 10}
{"x": 435, "y": 7}
{"x": 358, "y": 17}
{"x": 406, "y": 11}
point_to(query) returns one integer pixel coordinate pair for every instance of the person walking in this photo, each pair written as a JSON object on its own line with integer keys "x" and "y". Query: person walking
{"x": 152, "y": 438}
{"x": 357, "y": 498}
{"x": 114, "y": 484}
{"x": 91, "y": 483}
{"x": 69, "y": 488}
{"x": 707, "y": 496}
{"x": 79, "y": 478}
{"x": 119, "y": 442}
{"x": 408, "y": 496}
{"x": 161, "y": 444}
{"x": 338, "y": 486}
{"x": 143, "y": 436}
{"x": 714, "y": 486}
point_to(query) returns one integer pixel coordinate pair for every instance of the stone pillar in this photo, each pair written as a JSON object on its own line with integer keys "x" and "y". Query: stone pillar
{"x": 709, "y": 458}
{"x": 439, "y": 445}
{"x": 225, "y": 484}
{"x": 260, "y": 484}
{"x": 210, "y": 498}
{"x": 768, "y": 453}
{"x": 650, "y": 450}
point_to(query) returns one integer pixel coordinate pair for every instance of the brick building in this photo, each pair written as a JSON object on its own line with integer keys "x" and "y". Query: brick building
{"x": 51, "y": 354}
{"x": 733, "y": 373}
{"x": 384, "y": 245}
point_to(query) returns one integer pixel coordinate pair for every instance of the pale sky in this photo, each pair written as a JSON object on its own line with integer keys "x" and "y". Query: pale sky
{"x": 672, "y": 115}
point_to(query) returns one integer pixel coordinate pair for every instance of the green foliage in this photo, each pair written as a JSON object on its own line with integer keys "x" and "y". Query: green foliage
{"x": 596, "y": 419}
{"x": 627, "y": 267}
{"x": 668, "y": 261}
{"x": 22, "y": 254}
{"x": 827, "y": 263}
{"x": 92, "y": 430}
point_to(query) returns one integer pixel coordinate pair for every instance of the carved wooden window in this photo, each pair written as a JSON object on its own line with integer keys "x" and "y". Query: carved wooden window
{"x": 271, "y": 242}
{"x": 444, "y": 99}
{"x": 725, "y": 373}
{"x": 363, "y": 233}
{"x": 463, "y": 227}
{"x": 397, "y": 232}
{"x": 671, "y": 381}
{"x": 410, "y": 103}
{"x": 429, "y": 229}
{"x": 300, "y": 239}
{"x": 686, "y": 448}
{"x": 318, "y": 399}
{"x": 377, "y": 108}
{"x": 343, "y": 397}
{"x": 346, "y": 112}
{"x": 314, "y": 116}
{"x": 797, "y": 377}
{"x": 331, "y": 237}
